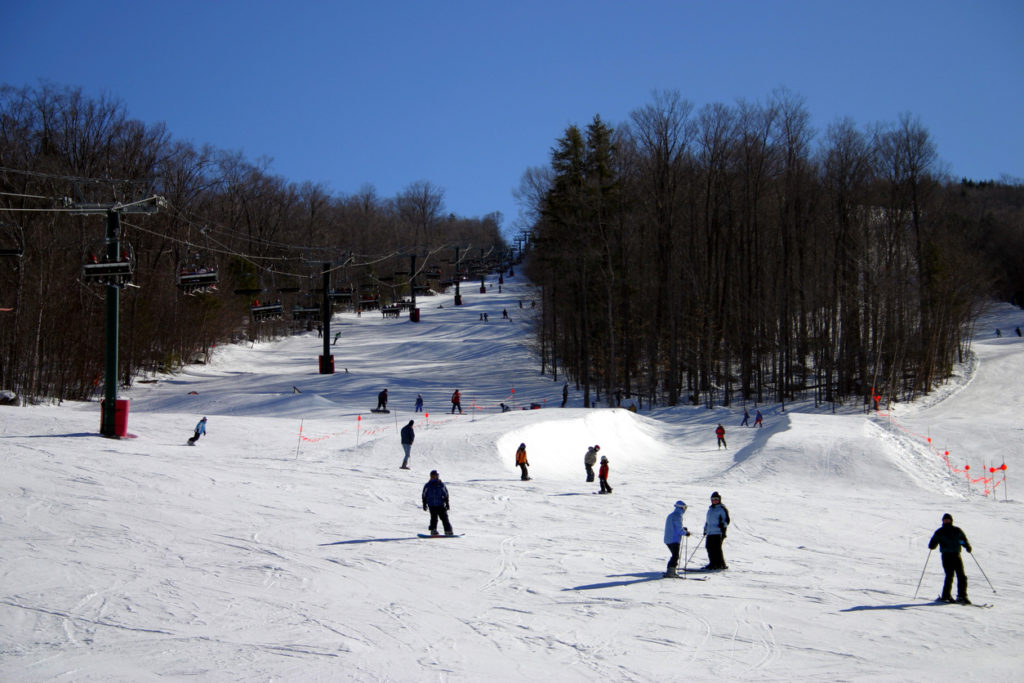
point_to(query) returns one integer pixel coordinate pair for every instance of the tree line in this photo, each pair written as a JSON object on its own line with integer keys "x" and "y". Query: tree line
{"x": 266, "y": 237}
{"x": 725, "y": 253}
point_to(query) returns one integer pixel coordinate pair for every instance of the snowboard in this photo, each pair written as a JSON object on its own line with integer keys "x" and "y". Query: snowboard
{"x": 438, "y": 536}
{"x": 380, "y": 410}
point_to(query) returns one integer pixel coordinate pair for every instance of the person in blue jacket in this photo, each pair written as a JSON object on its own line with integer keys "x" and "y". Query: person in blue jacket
{"x": 949, "y": 539}
{"x": 200, "y": 430}
{"x": 674, "y": 532}
{"x": 714, "y": 532}
{"x": 435, "y": 499}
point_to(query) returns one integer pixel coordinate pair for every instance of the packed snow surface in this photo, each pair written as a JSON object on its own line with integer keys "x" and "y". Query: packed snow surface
{"x": 283, "y": 546}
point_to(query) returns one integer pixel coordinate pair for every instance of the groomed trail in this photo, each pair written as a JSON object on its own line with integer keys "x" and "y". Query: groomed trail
{"x": 284, "y": 545}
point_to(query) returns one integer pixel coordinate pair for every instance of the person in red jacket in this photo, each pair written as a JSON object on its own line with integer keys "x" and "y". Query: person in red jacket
{"x": 602, "y": 474}
{"x": 456, "y": 402}
{"x": 720, "y": 433}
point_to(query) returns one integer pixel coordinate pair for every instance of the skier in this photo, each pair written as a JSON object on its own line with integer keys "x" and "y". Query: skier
{"x": 720, "y": 433}
{"x": 435, "y": 499}
{"x": 419, "y": 403}
{"x": 200, "y": 430}
{"x": 746, "y": 419}
{"x": 407, "y": 438}
{"x": 456, "y": 402}
{"x": 382, "y": 400}
{"x": 589, "y": 460}
{"x": 758, "y": 420}
{"x": 949, "y": 540}
{"x": 714, "y": 530}
{"x": 674, "y": 532}
{"x": 522, "y": 462}
{"x": 602, "y": 475}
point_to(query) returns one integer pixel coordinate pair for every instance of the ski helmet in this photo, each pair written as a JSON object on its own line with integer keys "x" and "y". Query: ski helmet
{"x": 714, "y": 495}
{"x": 433, "y": 473}
{"x": 947, "y": 516}
{"x": 681, "y": 505}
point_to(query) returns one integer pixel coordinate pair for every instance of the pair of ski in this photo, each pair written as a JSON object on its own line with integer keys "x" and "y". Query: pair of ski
{"x": 983, "y": 605}
{"x": 686, "y": 573}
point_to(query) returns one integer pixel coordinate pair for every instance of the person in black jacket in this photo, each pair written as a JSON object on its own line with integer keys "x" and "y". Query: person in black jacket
{"x": 408, "y": 435}
{"x": 435, "y": 499}
{"x": 949, "y": 539}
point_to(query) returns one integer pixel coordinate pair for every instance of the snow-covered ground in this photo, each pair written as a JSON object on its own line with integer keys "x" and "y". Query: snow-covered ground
{"x": 284, "y": 546}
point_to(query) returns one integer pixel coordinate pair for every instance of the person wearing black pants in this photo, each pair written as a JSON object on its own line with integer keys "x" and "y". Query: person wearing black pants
{"x": 435, "y": 499}
{"x": 714, "y": 532}
{"x": 949, "y": 539}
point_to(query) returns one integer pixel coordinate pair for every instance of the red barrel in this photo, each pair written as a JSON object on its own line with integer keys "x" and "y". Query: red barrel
{"x": 120, "y": 416}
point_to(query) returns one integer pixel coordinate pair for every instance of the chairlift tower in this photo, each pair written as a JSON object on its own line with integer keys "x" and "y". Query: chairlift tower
{"x": 114, "y": 272}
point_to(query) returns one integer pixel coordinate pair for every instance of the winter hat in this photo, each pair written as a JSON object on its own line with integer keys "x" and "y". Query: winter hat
{"x": 714, "y": 494}
{"x": 681, "y": 505}
{"x": 947, "y": 516}
{"x": 596, "y": 447}
{"x": 604, "y": 458}
{"x": 433, "y": 473}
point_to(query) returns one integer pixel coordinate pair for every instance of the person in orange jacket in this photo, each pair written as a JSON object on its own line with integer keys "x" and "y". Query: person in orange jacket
{"x": 522, "y": 462}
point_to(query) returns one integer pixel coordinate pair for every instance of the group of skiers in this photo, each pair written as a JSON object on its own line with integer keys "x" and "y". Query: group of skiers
{"x": 715, "y": 524}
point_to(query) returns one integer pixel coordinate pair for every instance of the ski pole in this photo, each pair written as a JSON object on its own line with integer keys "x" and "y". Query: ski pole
{"x": 695, "y": 549}
{"x": 983, "y": 573}
{"x": 922, "y": 572}
{"x": 686, "y": 542}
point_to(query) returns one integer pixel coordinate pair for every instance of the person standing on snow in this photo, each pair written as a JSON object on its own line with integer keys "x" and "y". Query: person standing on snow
{"x": 382, "y": 400}
{"x": 435, "y": 499}
{"x": 674, "y": 532}
{"x": 714, "y": 531}
{"x": 589, "y": 460}
{"x": 949, "y": 539}
{"x": 720, "y": 433}
{"x": 758, "y": 420}
{"x": 746, "y": 419}
{"x": 522, "y": 462}
{"x": 408, "y": 436}
{"x": 456, "y": 402}
{"x": 200, "y": 430}
{"x": 602, "y": 474}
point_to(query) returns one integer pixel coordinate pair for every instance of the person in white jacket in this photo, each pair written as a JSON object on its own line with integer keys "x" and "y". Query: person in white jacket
{"x": 674, "y": 532}
{"x": 589, "y": 460}
{"x": 714, "y": 531}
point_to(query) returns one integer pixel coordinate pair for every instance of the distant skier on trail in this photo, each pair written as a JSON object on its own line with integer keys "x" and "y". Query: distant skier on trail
{"x": 200, "y": 430}
{"x": 759, "y": 420}
{"x": 674, "y": 532}
{"x": 949, "y": 539}
{"x": 419, "y": 403}
{"x": 746, "y": 419}
{"x": 602, "y": 475}
{"x": 589, "y": 460}
{"x": 435, "y": 499}
{"x": 714, "y": 532}
{"x": 720, "y": 433}
{"x": 522, "y": 462}
{"x": 456, "y": 402}
{"x": 408, "y": 435}
{"x": 382, "y": 400}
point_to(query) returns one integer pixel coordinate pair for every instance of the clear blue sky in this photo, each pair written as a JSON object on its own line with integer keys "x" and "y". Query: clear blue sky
{"x": 468, "y": 94}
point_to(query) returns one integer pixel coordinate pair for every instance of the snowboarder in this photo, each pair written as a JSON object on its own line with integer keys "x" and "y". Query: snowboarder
{"x": 949, "y": 539}
{"x": 456, "y": 402}
{"x": 408, "y": 435}
{"x": 602, "y": 475}
{"x": 714, "y": 530}
{"x": 1018, "y": 331}
{"x": 435, "y": 499}
{"x": 200, "y": 430}
{"x": 522, "y": 462}
{"x": 720, "y": 433}
{"x": 565, "y": 393}
{"x": 746, "y": 419}
{"x": 674, "y": 532}
{"x": 419, "y": 403}
{"x": 382, "y": 400}
{"x": 758, "y": 420}
{"x": 589, "y": 460}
